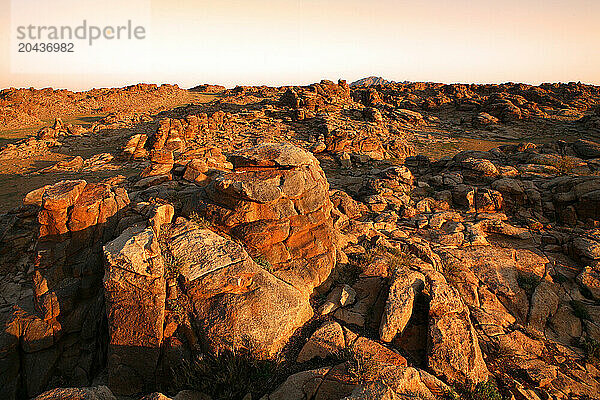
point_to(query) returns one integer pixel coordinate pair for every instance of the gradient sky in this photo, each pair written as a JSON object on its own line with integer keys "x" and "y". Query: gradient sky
{"x": 277, "y": 42}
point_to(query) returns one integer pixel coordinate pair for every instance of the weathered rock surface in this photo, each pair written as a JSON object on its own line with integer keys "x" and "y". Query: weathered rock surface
{"x": 65, "y": 307}
{"x": 236, "y": 303}
{"x": 399, "y": 305}
{"x": 453, "y": 349}
{"x": 135, "y": 291}
{"x": 480, "y": 267}
{"x": 91, "y": 393}
{"x": 326, "y": 341}
{"x": 277, "y": 202}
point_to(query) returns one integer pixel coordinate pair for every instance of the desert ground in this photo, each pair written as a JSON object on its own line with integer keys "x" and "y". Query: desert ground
{"x": 373, "y": 240}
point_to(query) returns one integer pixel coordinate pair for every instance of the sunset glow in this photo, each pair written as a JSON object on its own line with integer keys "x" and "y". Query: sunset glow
{"x": 298, "y": 42}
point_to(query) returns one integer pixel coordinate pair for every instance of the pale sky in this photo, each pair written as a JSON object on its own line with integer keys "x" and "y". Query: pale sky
{"x": 281, "y": 42}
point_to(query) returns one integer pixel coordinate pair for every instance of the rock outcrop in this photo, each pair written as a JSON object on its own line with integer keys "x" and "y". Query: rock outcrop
{"x": 160, "y": 282}
{"x": 236, "y": 304}
{"x": 276, "y": 201}
{"x": 135, "y": 292}
{"x": 58, "y": 332}
{"x": 226, "y": 258}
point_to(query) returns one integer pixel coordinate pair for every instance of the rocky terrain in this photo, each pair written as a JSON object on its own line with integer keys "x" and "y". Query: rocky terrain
{"x": 379, "y": 241}
{"x": 20, "y": 108}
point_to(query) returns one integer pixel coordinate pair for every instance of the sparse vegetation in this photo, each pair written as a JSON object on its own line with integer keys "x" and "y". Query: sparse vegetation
{"x": 228, "y": 375}
{"x": 371, "y": 254}
{"x": 396, "y": 258}
{"x": 565, "y": 164}
{"x": 362, "y": 370}
{"x": 176, "y": 306}
{"x": 452, "y": 394}
{"x": 482, "y": 391}
{"x": 399, "y": 260}
{"x": 262, "y": 261}
{"x": 346, "y": 273}
{"x": 592, "y": 349}
{"x": 486, "y": 391}
{"x": 436, "y": 149}
{"x": 171, "y": 265}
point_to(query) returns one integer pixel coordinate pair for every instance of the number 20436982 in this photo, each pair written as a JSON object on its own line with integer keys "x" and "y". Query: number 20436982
{"x": 46, "y": 47}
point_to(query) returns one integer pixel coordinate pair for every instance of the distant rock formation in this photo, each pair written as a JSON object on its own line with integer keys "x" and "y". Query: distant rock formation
{"x": 370, "y": 80}
{"x": 207, "y": 88}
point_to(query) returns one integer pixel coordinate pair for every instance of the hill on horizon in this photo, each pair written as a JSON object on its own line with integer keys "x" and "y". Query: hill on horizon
{"x": 371, "y": 80}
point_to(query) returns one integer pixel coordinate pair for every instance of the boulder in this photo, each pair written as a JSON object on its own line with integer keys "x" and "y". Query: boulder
{"x": 328, "y": 340}
{"x": 586, "y": 148}
{"x": 276, "y": 201}
{"x": 488, "y": 200}
{"x": 86, "y": 393}
{"x": 453, "y": 348}
{"x": 398, "y": 308}
{"x": 341, "y": 296}
{"x": 135, "y": 293}
{"x": 590, "y": 279}
{"x": 300, "y": 386}
{"x": 236, "y": 303}
{"x": 478, "y": 169}
{"x": 135, "y": 147}
{"x": 544, "y": 303}
{"x": 58, "y": 323}
{"x": 161, "y": 163}
{"x": 586, "y": 247}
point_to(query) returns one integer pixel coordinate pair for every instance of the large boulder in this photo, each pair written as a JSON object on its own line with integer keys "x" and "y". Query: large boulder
{"x": 161, "y": 163}
{"x": 276, "y": 201}
{"x": 236, "y": 304}
{"x": 453, "y": 346}
{"x": 399, "y": 306}
{"x": 576, "y": 198}
{"x": 189, "y": 285}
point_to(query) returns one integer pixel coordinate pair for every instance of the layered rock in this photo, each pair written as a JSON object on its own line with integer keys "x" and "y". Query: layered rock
{"x": 453, "y": 346}
{"x": 61, "y": 333}
{"x": 224, "y": 301}
{"x": 316, "y": 97}
{"x": 399, "y": 304}
{"x": 442, "y": 264}
{"x": 60, "y": 129}
{"x": 174, "y": 134}
{"x": 135, "y": 291}
{"x": 365, "y": 143}
{"x": 181, "y": 285}
{"x": 236, "y": 304}
{"x": 161, "y": 163}
{"x": 200, "y": 165}
{"x": 276, "y": 201}
{"x": 135, "y": 148}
